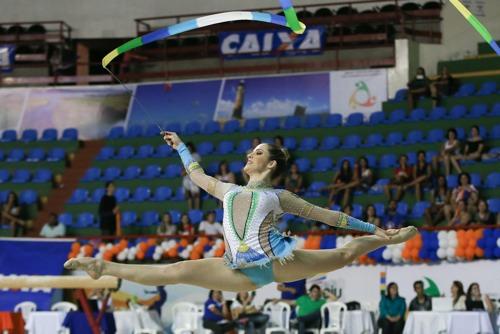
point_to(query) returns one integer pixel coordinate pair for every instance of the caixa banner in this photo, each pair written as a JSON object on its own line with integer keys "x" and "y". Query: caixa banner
{"x": 271, "y": 43}
{"x": 7, "y": 54}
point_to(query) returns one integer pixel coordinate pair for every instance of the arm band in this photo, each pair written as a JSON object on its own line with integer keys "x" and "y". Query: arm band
{"x": 352, "y": 223}
{"x": 187, "y": 159}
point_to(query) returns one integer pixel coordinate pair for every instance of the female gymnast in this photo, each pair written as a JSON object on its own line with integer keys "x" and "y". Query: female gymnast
{"x": 256, "y": 253}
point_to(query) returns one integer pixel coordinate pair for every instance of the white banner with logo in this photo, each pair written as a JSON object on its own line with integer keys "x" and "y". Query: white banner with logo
{"x": 357, "y": 91}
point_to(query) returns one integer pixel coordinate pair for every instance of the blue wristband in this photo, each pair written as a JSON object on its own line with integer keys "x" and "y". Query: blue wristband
{"x": 187, "y": 159}
{"x": 352, "y": 223}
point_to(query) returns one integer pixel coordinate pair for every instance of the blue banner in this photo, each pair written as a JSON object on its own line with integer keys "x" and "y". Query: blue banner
{"x": 7, "y": 57}
{"x": 271, "y": 43}
{"x": 31, "y": 257}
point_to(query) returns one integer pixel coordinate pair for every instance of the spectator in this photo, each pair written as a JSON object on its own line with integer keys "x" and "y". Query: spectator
{"x": 418, "y": 87}
{"x": 450, "y": 151}
{"x": 290, "y": 291}
{"x": 216, "y": 314}
{"x": 462, "y": 215}
{"x": 191, "y": 190}
{"x": 483, "y": 215}
{"x": 279, "y": 141}
{"x": 440, "y": 198}
{"x": 475, "y": 301}
{"x": 192, "y": 149}
{"x": 421, "y": 302}
{"x": 53, "y": 228}
{"x": 155, "y": 303}
{"x": 392, "y": 311}
{"x": 11, "y": 212}
{"x": 309, "y": 308}
{"x": 463, "y": 201}
{"x": 166, "y": 226}
{"x": 392, "y": 218}
{"x": 347, "y": 209}
{"x": 370, "y": 215}
{"x": 244, "y": 310}
{"x": 421, "y": 175}
{"x": 444, "y": 85}
{"x": 458, "y": 296}
{"x": 474, "y": 146}
{"x": 338, "y": 187}
{"x": 209, "y": 226}
{"x": 57, "y": 181}
{"x": 186, "y": 227}
{"x": 224, "y": 174}
{"x": 108, "y": 209}
{"x": 402, "y": 177}
{"x": 294, "y": 180}
{"x": 363, "y": 175}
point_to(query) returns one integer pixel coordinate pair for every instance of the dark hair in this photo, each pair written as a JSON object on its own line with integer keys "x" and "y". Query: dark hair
{"x": 211, "y": 294}
{"x": 347, "y": 206}
{"x": 280, "y": 138}
{"x": 475, "y": 126}
{"x": 53, "y": 214}
{"x": 16, "y": 198}
{"x": 366, "y": 160}
{"x": 280, "y": 155}
{"x": 238, "y": 296}
{"x": 460, "y": 292}
{"x": 460, "y": 177}
{"x": 107, "y": 184}
{"x": 416, "y": 283}
{"x": 452, "y": 130}
{"x": 168, "y": 214}
{"x": 365, "y": 214}
{"x": 185, "y": 214}
{"x": 345, "y": 174}
{"x": 223, "y": 162}
{"x": 314, "y": 286}
{"x": 388, "y": 294}
{"x": 191, "y": 147}
{"x": 421, "y": 69}
{"x": 420, "y": 152}
{"x": 469, "y": 291}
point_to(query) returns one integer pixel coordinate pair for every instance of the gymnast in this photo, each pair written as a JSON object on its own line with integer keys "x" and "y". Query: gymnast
{"x": 256, "y": 253}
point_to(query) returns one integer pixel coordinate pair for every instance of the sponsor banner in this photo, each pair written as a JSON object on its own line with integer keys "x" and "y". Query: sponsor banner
{"x": 7, "y": 57}
{"x": 271, "y": 43}
{"x": 358, "y": 91}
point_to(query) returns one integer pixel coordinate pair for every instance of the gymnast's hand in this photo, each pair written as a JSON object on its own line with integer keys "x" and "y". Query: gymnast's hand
{"x": 172, "y": 139}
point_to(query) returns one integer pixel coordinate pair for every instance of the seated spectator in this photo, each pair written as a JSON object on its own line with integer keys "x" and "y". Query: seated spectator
{"x": 363, "y": 175}
{"x": 475, "y": 301}
{"x": 11, "y": 213}
{"x": 450, "y": 151}
{"x": 294, "y": 180}
{"x": 347, "y": 209}
{"x": 483, "y": 215}
{"x": 418, "y": 87}
{"x": 166, "y": 226}
{"x": 392, "y": 218}
{"x": 309, "y": 308}
{"x": 53, "y": 228}
{"x": 279, "y": 141}
{"x": 244, "y": 310}
{"x": 444, "y": 85}
{"x": 464, "y": 200}
{"x": 392, "y": 311}
{"x": 474, "y": 146}
{"x": 108, "y": 210}
{"x": 186, "y": 228}
{"x": 421, "y": 302}
{"x": 155, "y": 303}
{"x": 421, "y": 175}
{"x": 458, "y": 296}
{"x": 216, "y": 314}
{"x": 209, "y": 226}
{"x": 370, "y": 215}
{"x": 440, "y": 198}
{"x": 462, "y": 214}
{"x": 402, "y": 177}
{"x": 191, "y": 190}
{"x": 224, "y": 174}
{"x": 341, "y": 179}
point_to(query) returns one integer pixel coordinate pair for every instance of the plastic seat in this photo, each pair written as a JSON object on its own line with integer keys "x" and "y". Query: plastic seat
{"x": 308, "y": 144}
{"x": 388, "y": 161}
{"x": 329, "y": 143}
{"x": 144, "y": 151}
{"x": 231, "y": 126}
{"x": 125, "y": 152}
{"x": 495, "y": 110}
{"x": 176, "y": 127}
{"x": 225, "y": 147}
{"x": 35, "y": 154}
{"x": 401, "y": 95}
{"x": 4, "y": 175}
{"x": 176, "y": 216}
{"x": 419, "y": 209}
{"x": 494, "y": 205}
{"x": 9, "y": 136}
{"x": 452, "y": 181}
{"x": 402, "y": 208}
{"x": 323, "y": 164}
{"x": 303, "y": 164}
{"x": 314, "y": 189}
{"x": 85, "y": 219}
{"x": 251, "y": 125}
{"x": 415, "y": 136}
{"x": 374, "y": 139}
{"x": 333, "y": 121}
{"x": 49, "y": 135}
{"x": 65, "y": 218}
{"x": 25, "y": 308}
{"x": 131, "y": 173}
{"x": 70, "y": 134}
{"x": 396, "y": 116}
{"x": 412, "y": 157}
{"x": 290, "y": 143}
{"x": 437, "y": 113}
{"x": 116, "y": 132}
{"x": 372, "y": 160}
{"x": 271, "y": 124}
{"x": 211, "y": 127}
{"x": 435, "y": 136}
{"x": 141, "y": 194}
{"x": 122, "y": 194}
{"x": 212, "y": 168}
{"x": 28, "y": 197}
{"x": 42, "y": 175}
{"x": 97, "y": 195}
{"x": 357, "y": 211}
{"x": 235, "y": 167}
{"x": 466, "y": 89}
{"x": 15, "y": 155}
{"x": 352, "y": 141}
{"x": 417, "y": 114}
{"x": 379, "y": 209}
{"x": 128, "y": 218}
{"x": 376, "y": 118}
{"x": 429, "y": 156}
{"x": 478, "y": 110}
{"x": 162, "y": 194}
{"x": 354, "y": 119}
{"x": 192, "y": 128}
{"x": 312, "y": 121}
{"x": 111, "y": 173}
{"x": 150, "y": 218}
{"x": 92, "y": 174}
{"x": 152, "y": 130}
{"x": 244, "y": 146}
{"x": 21, "y": 176}
{"x": 475, "y": 179}
{"x": 394, "y": 138}
{"x": 173, "y": 170}
{"x": 56, "y": 154}
{"x": 292, "y": 122}
{"x": 29, "y": 135}
{"x": 151, "y": 172}
{"x": 487, "y": 88}
{"x": 163, "y": 151}
{"x": 195, "y": 216}
{"x": 78, "y": 196}
{"x": 351, "y": 160}
{"x": 205, "y": 148}
{"x": 2, "y": 155}
{"x": 105, "y": 153}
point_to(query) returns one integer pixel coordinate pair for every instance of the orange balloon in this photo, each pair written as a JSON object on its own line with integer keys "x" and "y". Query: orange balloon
{"x": 108, "y": 255}
{"x": 219, "y": 252}
{"x": 469, "y": 253}
{"x": 406, "y": 254}
{"x": 472, "y": 242}
{"x": 478, "y": 234}
{"x": 410, "y": 244}
{"x": 140, "y": 255}
{"x": 184, "y": 243}
{"x": 469, "y": 234}
{"x": 75, "y": 247}
{"x": 172, "y": 252}
{"x": 414, "y": 253}
{"x": 462, "y": 242}
{"x": 151, "y": 242}
{"x": 195, "y": 256}
{"x": 203, "y": 241}
{"x": 479, "y": 252}
{"x": 88, "y": 250}
{"x": 460, "y": 252}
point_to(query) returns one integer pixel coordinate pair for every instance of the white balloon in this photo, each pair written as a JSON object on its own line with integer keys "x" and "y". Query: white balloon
{"x": 441, "y": 253}
{"x": 79, "y": 256}
{"x": 397, "y": 253}
{"x": 442, "y": 235}
{"x": 164, "y": 244}
{"x": 450, "y": 251}
{"x": 340, "y": 241}
{"x": 102, "y": 248}
{"x": 158, "y": 250}
{"x": 451, "y": 258}
{"x": 121, "y": 256}
{"x": 443, "y": 243}
{"x": 452, "y": 243}
{"x": 189, "y": 247}
{"x": 396, "y": 259}
{"x": 387, "y": 254}
{"x": 498, "y": 242}
{"x": 109, "y": 245}
{"x": 156, "y": 257}
{"x": 131, "y": 256}
{"x": 452, "y": 234}
{"x": 98, "y": 256}
{"x": 348, "y": 238}
{"x": 300, "y": 243}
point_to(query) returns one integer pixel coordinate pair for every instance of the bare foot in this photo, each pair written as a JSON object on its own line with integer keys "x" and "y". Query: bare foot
{"x": 92, "y": 266}
{"x": 401, "y": 235}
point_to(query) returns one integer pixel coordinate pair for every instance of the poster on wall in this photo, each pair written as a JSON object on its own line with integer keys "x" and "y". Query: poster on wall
{"x": 273, "y": 96}
{"x": 7, "y": 57}
{"x": 358, "y": 91}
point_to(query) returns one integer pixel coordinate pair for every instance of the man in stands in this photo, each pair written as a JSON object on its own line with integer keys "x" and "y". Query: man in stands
{"x": 209, "y": 226}
{"x": 108, "y": 209}
{"x": 421, "y": 302}
{"x": 309, "y": 308}
{"x": 418, "y": 87}
{"x": 53, "y": 228}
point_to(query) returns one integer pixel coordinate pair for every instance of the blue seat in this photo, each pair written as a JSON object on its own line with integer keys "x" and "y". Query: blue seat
{"x": 173, "y": 170}
{"x": 478, "y": 110}
{"x": 141, "y": 194}
{"x": 15, "y": 155}
{"x": 162, "y": 194}
{"x": 151, "y": 172}
{"x": 192, "y": 128}
{"x": 379, "y": 209}
{"x": 125, "y": 152}
{"x": 116, "y": 132}
{"x": 290, "y": 143}
{"x": 78, "y": 196}
{"x": 374, "y": 139}
{"x": 452, "y": 181}
{"x": 329, "y": 143}
{"x": 372, "y": 160}
{"x": 402, "y": 208}
{"x": 487, "y": 88}
{"x": 414, "y": 137}
{"x": 29, "y": 135}
{"x": 494, "y": 205}
{"x": 152, "y": 130}
{"x": 495, "y": 110}
{"x": 144, "y": 151}
{"x": 49, "y": 135}
{"x": 131, "y": 173}
{"x": 429, "y": 156}
{"x": 460, "y": 133}
{"x": 401, "y": 95}
{"x": 244, "y": 146}
{"x": 4, "y": 194}
{"x": 195, "y": 216}
{"x": 271, "y": 124}
{"x": 333, "y": 121}
{"x": 35, "y": 154}
{"x": 396, "y": 116}
{"x": 394, "y": 138}
{"x": 85, "y": 219}
{"x": 236, "y": 166}
{"x": 437, "y": 113}
{"x": 388, "y": 161}
{"x": 92, "y": 174}
{"x": 56, "y": 154}
{"x": 134, "y": 131}
{"x": 323, "y": 164}
{"x": 4, "y": 175}
{"x": 42, "y": 175}
{"x": 492, "y": 180}
{"x": 357, "y": 211}
{"x": 2, "y": 155}
{"x": 475, "y": 179}
{"x": 303, "y": 164}
{"x": 163, "y": 151}
{"x": 231, "y": 126}
{"x": 122, "y": 194}
{"x": 21, "y": 176}
{"x": 219, "y": 214}
{"x": 9, "y": 136}
{"x": 205, "y": 148}
{"x": 150, "y": 218}
{"x": 314, "y": 189}
{"x": 105, "y": 153}
{"x": 412, "y": 157}
{"x": 212, "y": 168}
{"x": 376, "y": 118}
{"x": 97, "y": 195}
{"x": 128, "y": 218}
{"x": 176, "y": 216}
{"x": 419, "y": 209}
{"x": 176, "y": 127}
{"x": 225, "y": 147}
{"x": 251, "y": 125}
{"x": 354, "y": 119}
{"x": 352, "y": 141}
{"x": 417, "y": 114}
{"x": 65, "y": 218}
{"x": 495, "y": 132}
{"x": 211, "y": 127}
{"x": 467, "y": 89}
{"x": 312, "y": 121}
{"x": 292, "y": 122}
{"x": 111, "y": 173}
{"x": 70, "y": 134}
{"x": 308, "y": 144}
{"x": 435, "y": 136}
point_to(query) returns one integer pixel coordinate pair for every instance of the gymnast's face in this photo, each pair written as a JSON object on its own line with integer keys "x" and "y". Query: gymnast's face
{"x": 258, "y": 161}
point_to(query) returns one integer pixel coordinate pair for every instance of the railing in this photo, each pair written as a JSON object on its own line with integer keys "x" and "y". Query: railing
{"x": 54, "y": 32}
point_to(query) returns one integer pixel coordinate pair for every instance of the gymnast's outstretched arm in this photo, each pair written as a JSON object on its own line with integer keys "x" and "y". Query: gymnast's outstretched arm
{"x": 208, "y": 183}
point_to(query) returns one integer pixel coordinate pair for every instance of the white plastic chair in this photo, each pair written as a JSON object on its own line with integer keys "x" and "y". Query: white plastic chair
{"x": 64, "y": 307}
{"x": 186, "y": 318}
{"x": 308, "y": 330}
{"x": 336, "y": 317}
{"x": 25, "y": 308}
{"x": 140, "y": 327}
{"x": 279, "y": 317}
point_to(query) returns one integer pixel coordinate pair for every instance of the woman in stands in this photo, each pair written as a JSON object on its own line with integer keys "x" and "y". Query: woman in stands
{"x": 458, "y": 296}
{"x": 474, "y": 147}
{"x": 11, "y": 211}
{"x": 475, "y": 301}
{"x": 450, "y": 151}
{"x": 256, "y": 252}
{"x": 342, "y": 184}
